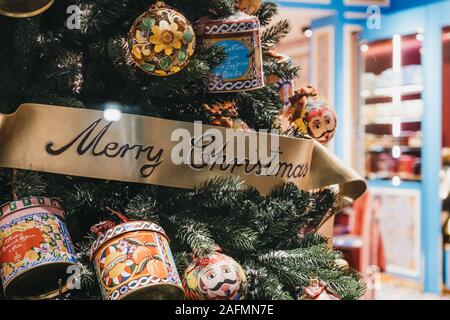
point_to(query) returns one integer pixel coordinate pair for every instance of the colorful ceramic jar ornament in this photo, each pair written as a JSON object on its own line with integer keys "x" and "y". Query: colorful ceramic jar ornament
{"x": 133, "y": 260}
{"x": 35, "y": 249}
{"x": 24, "y": 8}
{"x": 311, "y": 114}
{"x": 239, "y": 35}
{"x": 215, "y": 277}
{"x": 161, "y": 41}
{"x": 249, "y": 6}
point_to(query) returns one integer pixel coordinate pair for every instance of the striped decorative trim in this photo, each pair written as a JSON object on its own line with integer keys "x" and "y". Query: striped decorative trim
{"x": 6, "y": 280}
{"x": 222, "y": 27}
{"x": 124, "y": 228}
{"x": 25, "y": 203}
{"x": 238, "y": 85}
{"x": 143, "y": 282}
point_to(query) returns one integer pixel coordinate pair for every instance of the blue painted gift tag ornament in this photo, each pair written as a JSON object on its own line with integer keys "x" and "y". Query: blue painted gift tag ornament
{"x": 239, "y": 35}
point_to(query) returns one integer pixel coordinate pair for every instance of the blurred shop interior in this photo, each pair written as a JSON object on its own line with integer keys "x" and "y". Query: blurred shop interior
{"x": 385, "y": 66}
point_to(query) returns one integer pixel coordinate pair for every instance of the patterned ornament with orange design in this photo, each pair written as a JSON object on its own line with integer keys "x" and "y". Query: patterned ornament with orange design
{"x": 133, "y": 261}
{"x": 161, "y": 40}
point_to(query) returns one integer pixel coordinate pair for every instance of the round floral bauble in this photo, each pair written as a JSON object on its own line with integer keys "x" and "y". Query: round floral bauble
{"x": 161, "y": 40}
{"x": 215, "y": 277}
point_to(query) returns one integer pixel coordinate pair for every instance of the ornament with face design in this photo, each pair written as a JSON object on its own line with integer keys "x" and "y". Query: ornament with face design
{"x": 220, "y": 280}
{"x": 321, "y": 121}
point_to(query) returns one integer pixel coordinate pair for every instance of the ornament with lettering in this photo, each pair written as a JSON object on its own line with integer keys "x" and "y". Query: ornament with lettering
{"x": 35, "y": 248}
{"x": 215, "y": 277}
{"x": 161, "y": 41}
{"x": 133, "y": 260}
{"x": 311, "y": 114}
{"x": 73, "y": 141}
{"x": 249, "y": 6}
{"x": 239, "y": 35}
{"x": 24, "y": 8}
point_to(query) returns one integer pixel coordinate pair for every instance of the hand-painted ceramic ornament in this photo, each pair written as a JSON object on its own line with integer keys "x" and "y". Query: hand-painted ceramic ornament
{"x": 24, "y": 8}
{"x": 311, "y": 114}
{"x": 161, "y": 41}
{"x": 35, "y": 249}
{"x": 318, "y": 290}
{"x": 249, "y": 6}
{"x": 215, "y": 277}
{"x": 240, "y": 37}
{"x": 342, "y": 264}
{"x": 224, "y": 115}
{"x": 133, "y": 260}
{"x": 286, "y": 87}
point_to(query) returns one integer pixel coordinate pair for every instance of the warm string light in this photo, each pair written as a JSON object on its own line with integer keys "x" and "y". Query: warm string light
{"x": 112, "y": 112}
{"x": 396, "y": 181}
{"x": 307, "y": 32}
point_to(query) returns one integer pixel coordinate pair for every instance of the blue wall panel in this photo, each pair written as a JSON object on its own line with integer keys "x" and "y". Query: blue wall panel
{"x": 397, "y": 5}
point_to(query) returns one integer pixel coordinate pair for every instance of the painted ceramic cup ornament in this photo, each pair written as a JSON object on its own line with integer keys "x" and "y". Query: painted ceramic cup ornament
{"x": 133, "y": 260}
{"x": 249, "y": 6}
{"x": 161, "y": 41}
{"x": 24, "y": 8}
{"x": 215, "y": 277}
{"x": 240, "y": 37}
{"x": 35, "y": 249}
{"x": 311, "y": 114}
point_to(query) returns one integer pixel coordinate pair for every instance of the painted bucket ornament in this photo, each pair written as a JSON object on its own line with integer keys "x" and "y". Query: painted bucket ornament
{"x": 36, "y": 252}
{"x": 240, "y": 37}
{"x": 133, "y": 260}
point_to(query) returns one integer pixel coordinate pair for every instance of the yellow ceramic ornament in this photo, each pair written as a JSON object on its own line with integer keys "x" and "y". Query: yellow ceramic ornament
{"x": 161, "y": 41}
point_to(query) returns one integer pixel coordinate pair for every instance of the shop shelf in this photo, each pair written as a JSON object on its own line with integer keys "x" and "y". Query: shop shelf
{"x": 403, "y": 149}
{"x": 388, "y": 178}
{"x": 390, "y": 91}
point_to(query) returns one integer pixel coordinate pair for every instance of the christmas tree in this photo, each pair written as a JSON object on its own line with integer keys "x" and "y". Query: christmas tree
{"x": 272, "y": 237}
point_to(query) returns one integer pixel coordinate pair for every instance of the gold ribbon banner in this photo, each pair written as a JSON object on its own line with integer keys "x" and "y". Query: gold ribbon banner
{"x": 140, "y": 149}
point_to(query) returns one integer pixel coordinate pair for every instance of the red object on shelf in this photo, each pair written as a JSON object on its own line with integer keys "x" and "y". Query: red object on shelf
{"x": 406, "y": 164}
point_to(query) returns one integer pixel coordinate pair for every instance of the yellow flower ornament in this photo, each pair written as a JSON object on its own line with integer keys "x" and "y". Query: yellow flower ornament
{"x": 161, "y": 41}
{"x": 166, "y": 37}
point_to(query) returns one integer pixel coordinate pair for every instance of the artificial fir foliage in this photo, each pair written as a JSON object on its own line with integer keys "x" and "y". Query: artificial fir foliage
{"x": 43, "y": 61}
